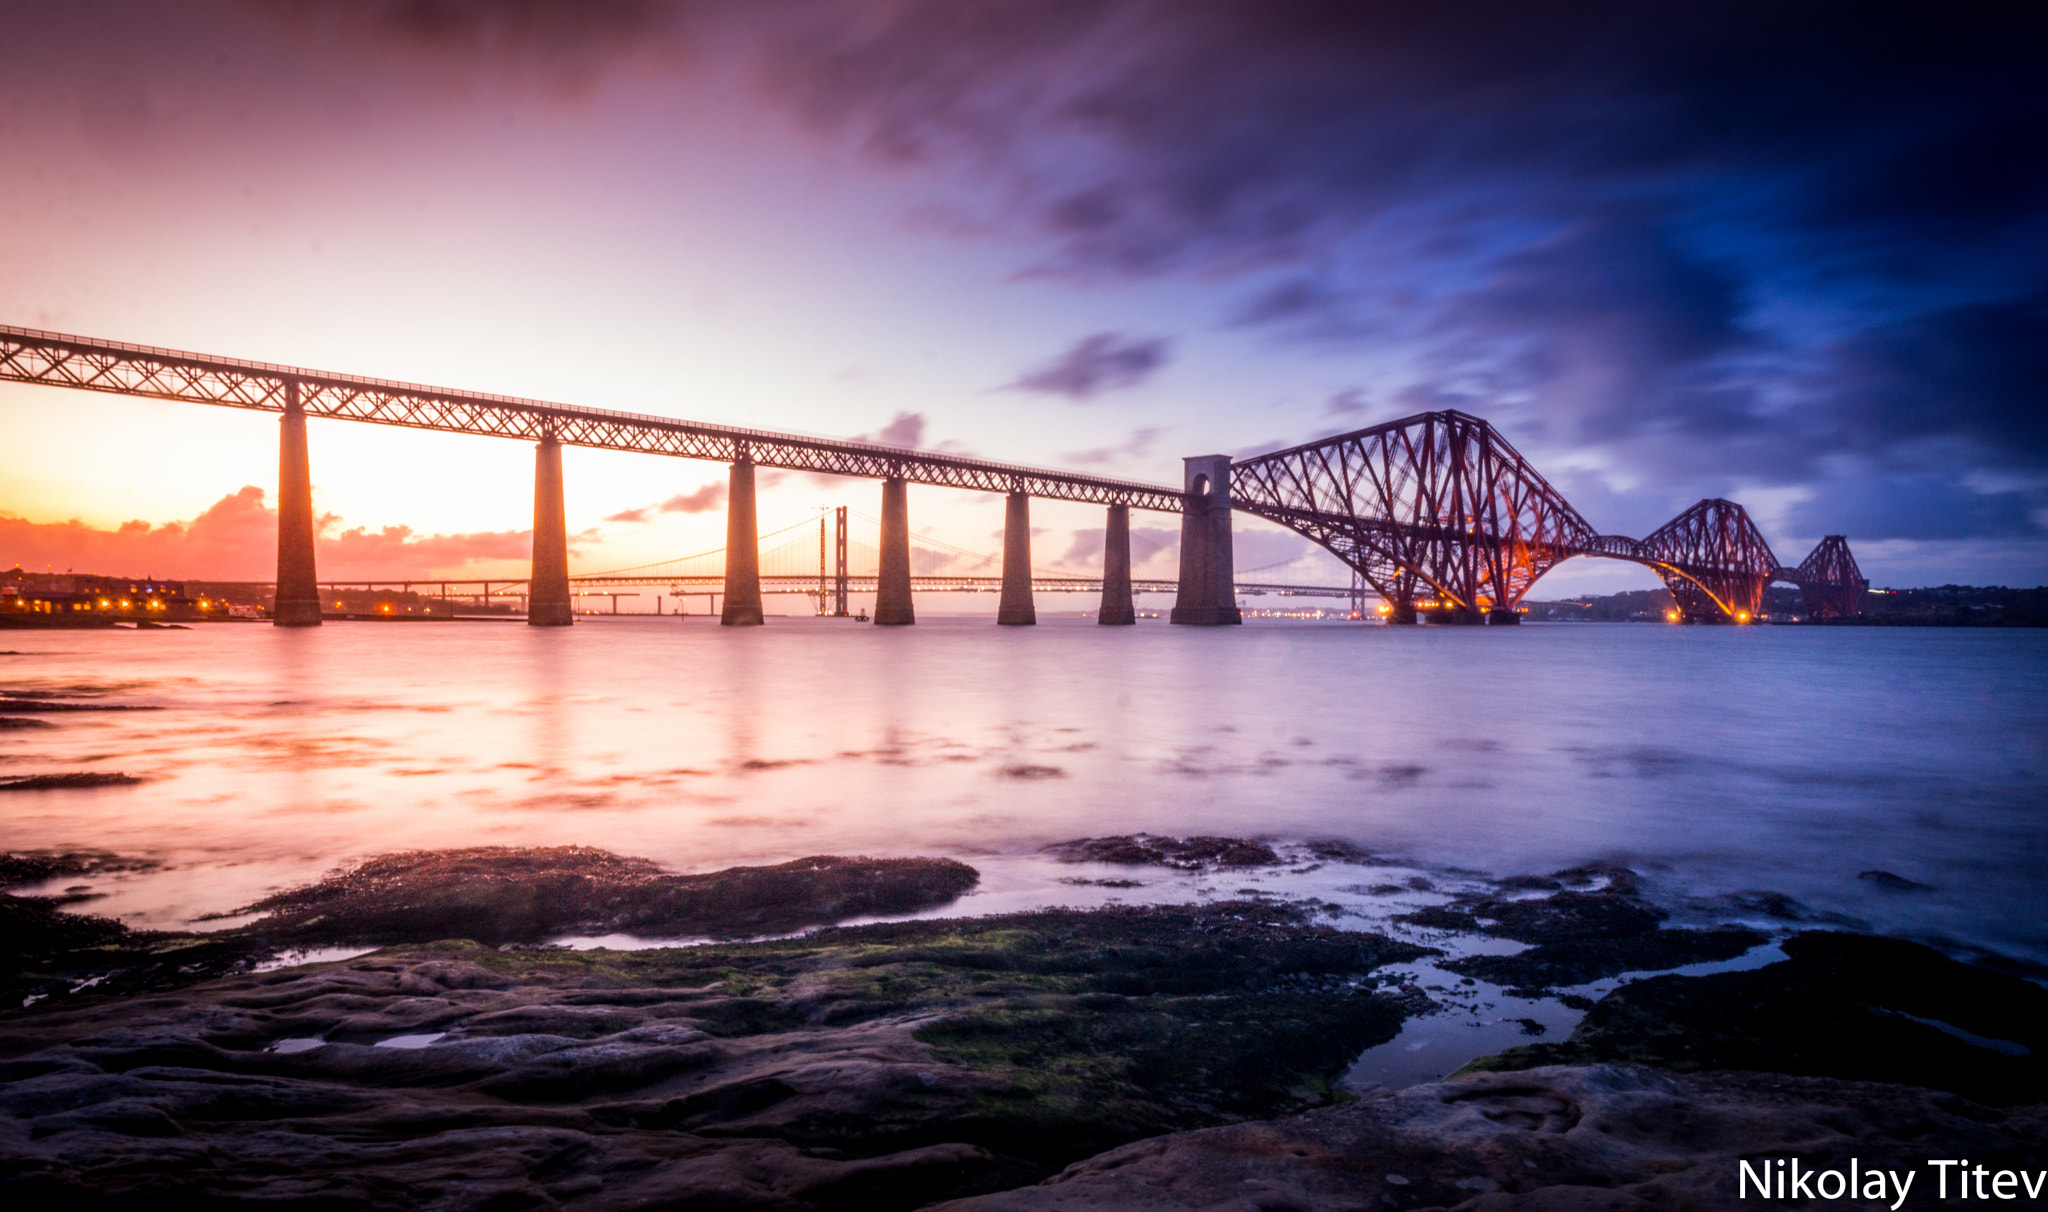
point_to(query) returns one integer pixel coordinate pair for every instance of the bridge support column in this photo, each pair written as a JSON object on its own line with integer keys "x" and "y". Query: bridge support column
{"x": 742, "y": 550}
{"x": 1401, "y": 610}
{"x": 1117, "y": 609}
{"x": 1015, "y": 609}
{"x": 1208, "y": 579}
{"x": 1503, "y": 618}
{"x": 297, "y": 603}
{"x": 892, "y": 585}
{"x": 547, "y": 603}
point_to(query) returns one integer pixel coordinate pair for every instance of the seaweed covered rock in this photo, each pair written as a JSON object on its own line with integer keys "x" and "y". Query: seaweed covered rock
{"x": 881, "y": 1066}
{"x": 1840, "y": 1005}
{"x": 1579, "y": 933}
{"x": 494, "y": 895}
{"x": 498, "y": 894}
{"x": 34, "y": 866}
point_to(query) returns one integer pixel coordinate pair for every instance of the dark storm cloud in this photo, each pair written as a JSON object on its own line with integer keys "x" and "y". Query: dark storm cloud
{"x": 1979, "y": 371}
{"x": 1716, "y": 245}
{"x": 1724, "y": 243}
{"x": 1104, "y": 362}
{"x": 1914, "y": 507}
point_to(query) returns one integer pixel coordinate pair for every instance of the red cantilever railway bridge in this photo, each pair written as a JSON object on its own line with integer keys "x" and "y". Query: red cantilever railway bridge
{"x": 1436, "y": 507}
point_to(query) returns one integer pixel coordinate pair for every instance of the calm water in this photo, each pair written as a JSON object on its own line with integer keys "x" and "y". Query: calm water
{"x": 1713, "y": 759}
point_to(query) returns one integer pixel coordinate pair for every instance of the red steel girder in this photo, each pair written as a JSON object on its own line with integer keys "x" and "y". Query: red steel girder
{"x": 58, "y": 360}
{"x": 1829, "y": 580}
{"x": 1714, "y": 561}
{"x": 1439, "y": 498}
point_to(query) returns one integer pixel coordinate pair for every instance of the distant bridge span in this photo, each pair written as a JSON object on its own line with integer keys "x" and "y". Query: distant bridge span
{"x": 1437, "y": 512}
{"x": 1440, "y": 505}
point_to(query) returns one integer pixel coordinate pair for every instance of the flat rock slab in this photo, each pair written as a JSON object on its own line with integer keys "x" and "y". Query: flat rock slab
{"x": 877, "y": 1067}
{"x": 1593, "y": 1138}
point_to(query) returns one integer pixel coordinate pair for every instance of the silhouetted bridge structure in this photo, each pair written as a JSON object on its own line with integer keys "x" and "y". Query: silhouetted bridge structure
{"x": 1437, "y": 512}
{"x": 828, "y": 568}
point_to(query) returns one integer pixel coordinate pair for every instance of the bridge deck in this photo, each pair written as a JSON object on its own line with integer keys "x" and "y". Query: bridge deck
{"x": 809, "y": 583}
{"x": 30, "y": 355}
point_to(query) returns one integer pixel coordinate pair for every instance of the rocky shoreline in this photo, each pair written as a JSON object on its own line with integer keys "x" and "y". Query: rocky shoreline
{"x": 1163, "y": 1056}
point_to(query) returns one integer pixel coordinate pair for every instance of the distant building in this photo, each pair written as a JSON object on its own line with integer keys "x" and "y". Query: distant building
{"x": 83, "y": 599}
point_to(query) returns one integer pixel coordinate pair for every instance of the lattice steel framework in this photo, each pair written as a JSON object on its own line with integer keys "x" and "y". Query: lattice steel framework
{"x": 55, "y": 359}
{"x": 1830, "y": 581}
{"x": 1437, "y": 503}
{"x": 1440, "y": 505}
{"x": 1713, "y": 560}
{"x": 1439, "y": 500}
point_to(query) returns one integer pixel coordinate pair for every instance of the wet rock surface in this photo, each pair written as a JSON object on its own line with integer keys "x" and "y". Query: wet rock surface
{"x": 1585, "y": 1139}
{"x": 874, "y": 1067}
{"x": 1147, "y": 1050}
{"x": 492, "y": 894}
{"x": 19, "y": 705}
{"x": 1186, "y": 854}
{"x": 35, "y": 866}
{"x": 1840, "y": 1005}
{"x": 497, "y": 894}
{"x": 1593, "y": 924}
{"x": 68, "y": 779}
{"x": 46, "y": 951}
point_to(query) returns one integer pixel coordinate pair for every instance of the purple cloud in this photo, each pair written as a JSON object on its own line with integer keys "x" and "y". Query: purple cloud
{"x": 1107, "y": 361}
{"x": 702, "y": 499}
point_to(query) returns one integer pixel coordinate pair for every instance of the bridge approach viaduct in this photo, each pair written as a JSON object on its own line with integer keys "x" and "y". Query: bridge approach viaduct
{"x": 1437, "y": 512}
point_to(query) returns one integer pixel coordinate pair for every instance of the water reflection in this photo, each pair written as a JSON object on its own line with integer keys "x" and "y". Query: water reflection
{"x": 1716, "y": 760}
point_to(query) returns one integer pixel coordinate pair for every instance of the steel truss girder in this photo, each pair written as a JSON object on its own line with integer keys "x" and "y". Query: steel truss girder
{"x": 1713, "y": 559}
{"x": 1829, "y": 580}
{"x": 58, "y": 360}
{"x": 1439, "y": 499}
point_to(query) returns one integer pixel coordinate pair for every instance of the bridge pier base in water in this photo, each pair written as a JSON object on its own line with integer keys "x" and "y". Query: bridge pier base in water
{"x": 1117, "y": 608}
{"x": 1454, "y": 616}
{"x": 1208, "y": 579}
{"x": 742, "y": 550}
{"x": 1503, "y": 618}
{"x": 297, "y": 603}
{"x": 892, "y": 584}
{"x": 547, "y": 602}
{"x": 1015, "y": 608}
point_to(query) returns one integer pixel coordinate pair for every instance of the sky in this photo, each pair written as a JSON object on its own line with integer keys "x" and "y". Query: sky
{"x": 1792, "y": 255}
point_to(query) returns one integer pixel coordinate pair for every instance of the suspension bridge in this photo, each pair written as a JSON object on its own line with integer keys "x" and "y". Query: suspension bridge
{"x": 1436, "y": 514}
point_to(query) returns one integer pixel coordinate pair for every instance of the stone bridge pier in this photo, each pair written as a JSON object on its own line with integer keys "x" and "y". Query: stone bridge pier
{"x": 547, "y": 589}
{"x": 893, "y": 607}
{"x": 297, "y": 603}
{"x": 1208, "y": 579}
{"x": 1117, "y": 607}
{"x": 742, "y": 549}
{"x": 1016, "y": 609}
